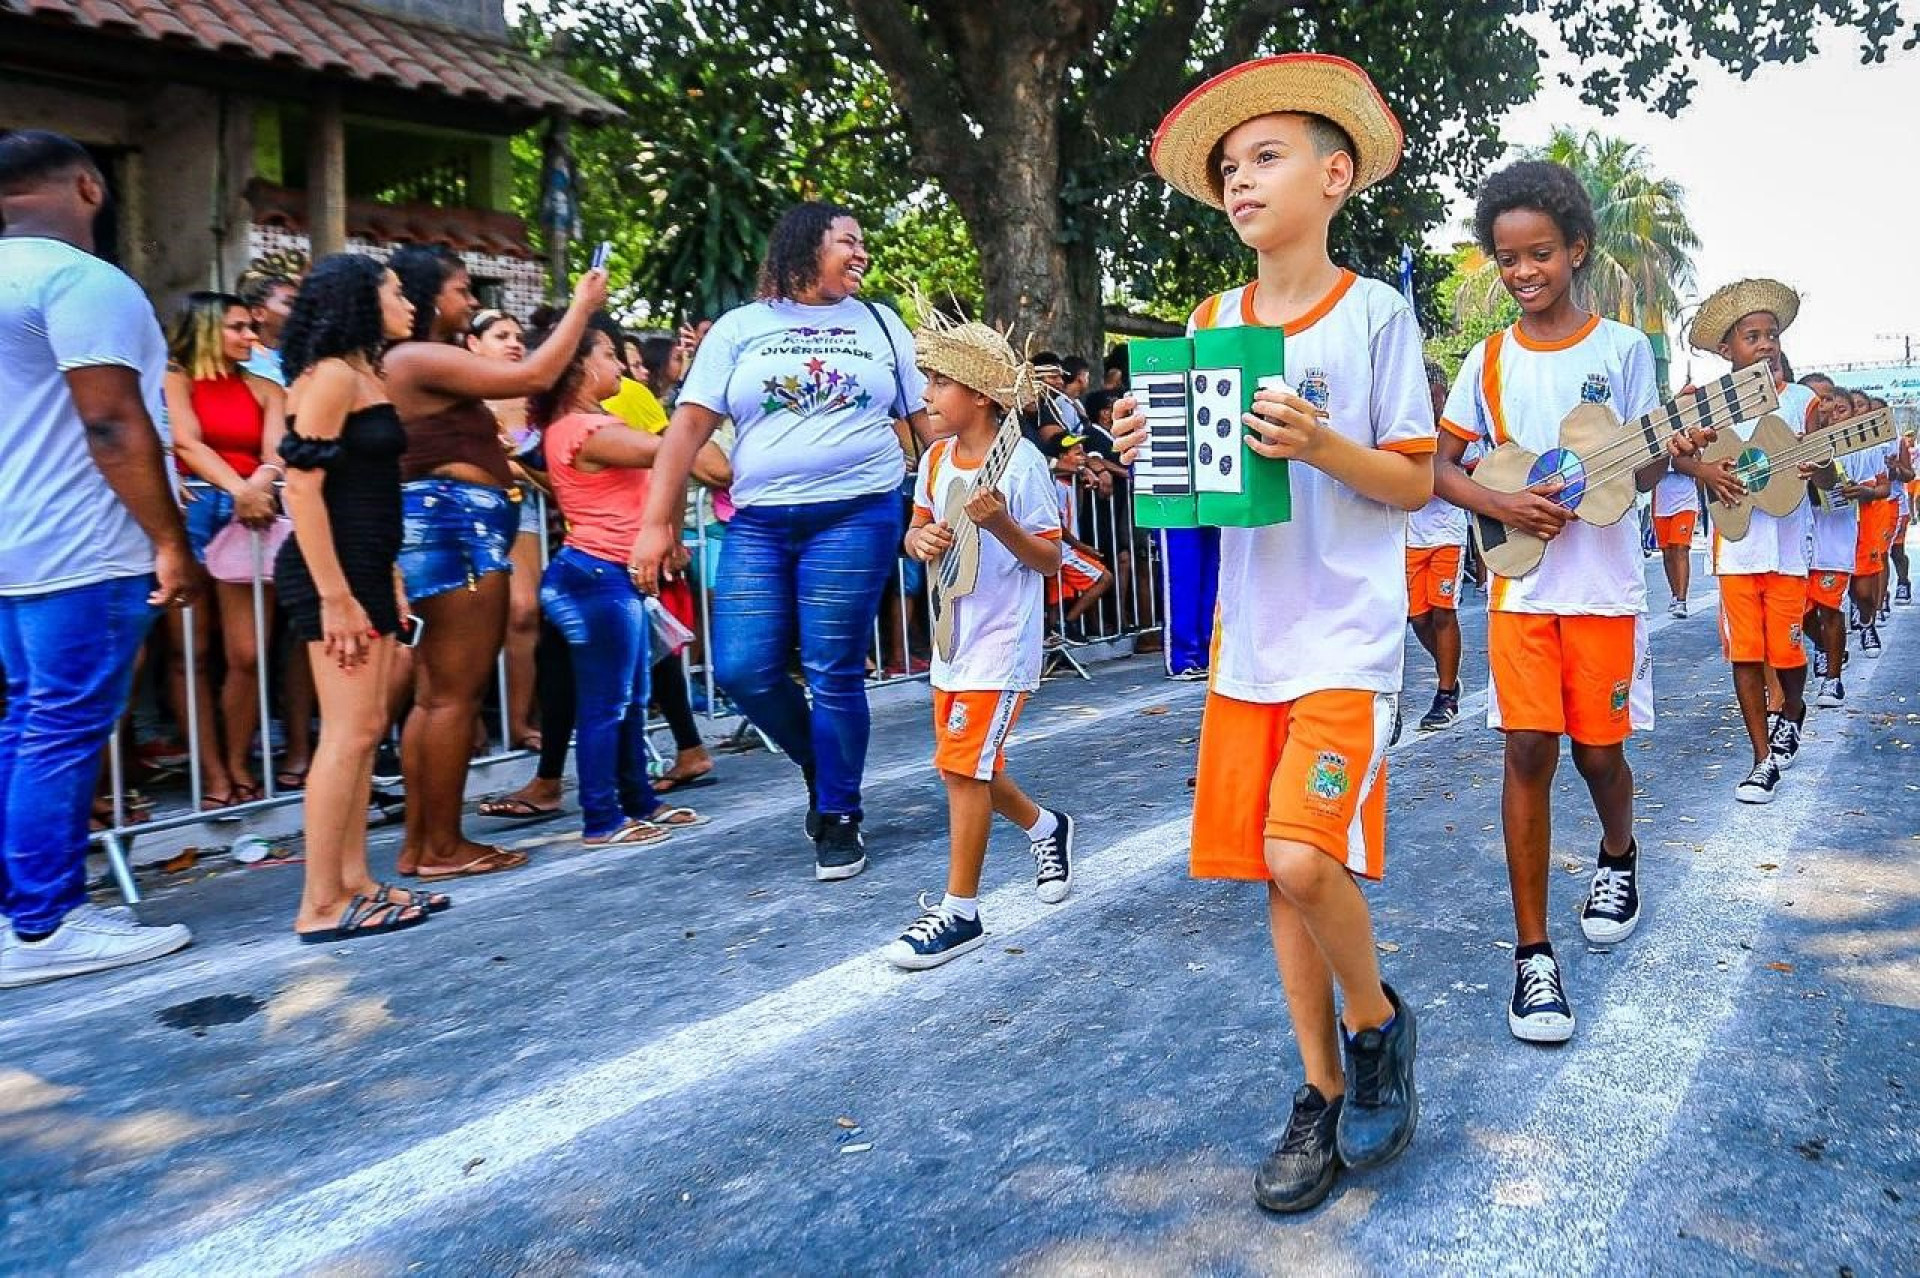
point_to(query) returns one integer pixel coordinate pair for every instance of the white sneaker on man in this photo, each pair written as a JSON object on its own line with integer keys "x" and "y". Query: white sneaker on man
{"x": 89, "y": 939}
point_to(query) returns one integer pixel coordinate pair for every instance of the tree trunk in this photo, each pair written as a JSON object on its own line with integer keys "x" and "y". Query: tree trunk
{"x": 981, "y": 86}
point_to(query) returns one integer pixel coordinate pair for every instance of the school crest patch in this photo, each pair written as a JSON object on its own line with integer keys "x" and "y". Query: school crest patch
{"x": 957, "y": 720}
{"x": 1619, "y": 700}
{"x": 1793, "y": 633}
{"x": 1329, "y": 779}
{"x": 1446, "y": 588}
{"x": 1828, "y": 581}
{"x": 1314, "y": 388}
{"x": 1596, "y": 389}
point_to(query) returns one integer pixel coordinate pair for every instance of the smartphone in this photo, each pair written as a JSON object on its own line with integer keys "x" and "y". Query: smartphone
{"x": 412, "y": 626}
{"x": 600, "y": 254}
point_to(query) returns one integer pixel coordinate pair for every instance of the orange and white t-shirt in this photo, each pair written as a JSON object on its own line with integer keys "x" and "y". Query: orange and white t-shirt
{"x": 1514, "y": 390}
{"x": 1782, "y": 544}
{"x": 999, "y": 628}
{"x": 1320, "y": 602}
{"x": 1836, "y": 531}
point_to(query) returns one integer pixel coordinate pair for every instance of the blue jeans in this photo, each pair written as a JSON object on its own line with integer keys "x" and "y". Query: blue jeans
{"x": 593, "y": 604}
{"x": 209, "y": 512}
{"x": 69, "y": 663}
{"x": 812, "y": 573}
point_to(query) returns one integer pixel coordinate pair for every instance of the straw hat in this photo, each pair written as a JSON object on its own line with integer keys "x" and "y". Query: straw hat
{"x": 1733, "y": 303}
{"x": 1309, "y": 83}
{"x": 976, "y": 356}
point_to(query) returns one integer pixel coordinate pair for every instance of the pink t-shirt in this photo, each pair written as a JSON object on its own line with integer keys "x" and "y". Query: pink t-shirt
{"x": 602, "y": 508}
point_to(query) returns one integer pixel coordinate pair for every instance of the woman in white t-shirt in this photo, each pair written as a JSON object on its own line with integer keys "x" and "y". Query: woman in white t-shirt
{"x": 814, "y": 380}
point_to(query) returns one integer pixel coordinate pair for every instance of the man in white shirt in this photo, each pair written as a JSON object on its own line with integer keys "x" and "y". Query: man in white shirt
{"x": 101, "y": 547}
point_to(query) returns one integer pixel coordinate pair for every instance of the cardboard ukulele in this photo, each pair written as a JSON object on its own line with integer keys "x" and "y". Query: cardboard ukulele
{"x": 1768, "y": 464}
{"x": 1598, "y": 456}
{"x": 958, "y": 571}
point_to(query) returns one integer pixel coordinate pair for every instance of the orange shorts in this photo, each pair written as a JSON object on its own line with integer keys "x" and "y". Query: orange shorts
{"x": 1079, "y": 573}
{"x": 1433, "y": 578}
{"x": 1826, "y": 589}
{"x": 1877, "y": 519}
{"x": 970, "y": 731}
{"x": 1571, "y": 675}
{"x": 1760, "y": 617}
{"x": 1674, "y": 530}
{"x": 1310, "y": 771}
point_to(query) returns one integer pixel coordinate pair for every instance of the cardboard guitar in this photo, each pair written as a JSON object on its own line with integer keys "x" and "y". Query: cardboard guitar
{"x": 958, "y": 571}
{"x": 1598, "y": 456}
{"x": 1768, "y": 464}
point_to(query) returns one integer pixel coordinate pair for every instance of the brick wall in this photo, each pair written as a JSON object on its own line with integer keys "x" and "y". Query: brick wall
{"x": 522, "y": 284}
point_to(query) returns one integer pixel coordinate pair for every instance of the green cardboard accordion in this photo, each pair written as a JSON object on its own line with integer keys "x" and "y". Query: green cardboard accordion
{"x": 1195, "y": 470}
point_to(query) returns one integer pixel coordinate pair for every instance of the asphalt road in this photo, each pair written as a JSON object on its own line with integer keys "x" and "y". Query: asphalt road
{"x": 689, "y": 1058}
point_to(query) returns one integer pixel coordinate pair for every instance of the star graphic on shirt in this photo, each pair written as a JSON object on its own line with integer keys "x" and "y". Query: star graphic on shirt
{"x": 863, "y": 401}
{"x": 770, "y": 386}
{"x": 791, "y": 385}
{"x": 833, "y": 378}
{"x": 770, "y": 405}
{"x": 816, "y": 366}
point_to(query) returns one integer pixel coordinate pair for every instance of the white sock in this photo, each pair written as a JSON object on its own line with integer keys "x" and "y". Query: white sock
{"x": 966, "y": 907}
{"x": 1046, "y": 825}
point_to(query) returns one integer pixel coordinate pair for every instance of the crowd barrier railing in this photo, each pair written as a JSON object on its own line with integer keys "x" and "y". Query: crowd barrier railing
{"x": 1126, "y": 611}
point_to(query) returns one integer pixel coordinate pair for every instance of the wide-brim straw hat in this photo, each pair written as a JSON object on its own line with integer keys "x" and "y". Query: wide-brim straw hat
{"x": 1306, "y": 83}
{"x": 1728, "y": 306}
{"x": 979, "y": 358}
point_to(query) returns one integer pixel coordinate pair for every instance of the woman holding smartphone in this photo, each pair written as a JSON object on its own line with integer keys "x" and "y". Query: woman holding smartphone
{"x": 336, "y": 576}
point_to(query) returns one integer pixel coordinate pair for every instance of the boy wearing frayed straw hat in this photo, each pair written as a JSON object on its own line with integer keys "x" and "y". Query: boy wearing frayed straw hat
{"x": 1310, "y": 635}
{"x": 1763, "y": 577}
{"x": 974, "y": 382}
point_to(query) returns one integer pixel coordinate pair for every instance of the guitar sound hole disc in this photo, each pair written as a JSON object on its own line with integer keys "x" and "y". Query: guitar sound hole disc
{"x": 1564, "y": 465}
{"x": 1753, "y": 468}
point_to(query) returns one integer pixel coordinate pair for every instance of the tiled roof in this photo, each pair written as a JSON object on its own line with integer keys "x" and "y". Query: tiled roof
{"x": 332, "y": 37}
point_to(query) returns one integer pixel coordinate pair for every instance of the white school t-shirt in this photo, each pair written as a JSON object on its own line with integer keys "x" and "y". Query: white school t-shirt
{"x": 62, "y": 309}
{"x": 999, "y": 628}
{"x": 1320, "y": 602}
{"x": 1438, "y": 523}
{"x": 1836, "y": 533}
{"x": 1522, "y": 398}
{"x": 1675, "y": 494}
{"x": 813, "y": 392}
{"x": 1784, "y": 544}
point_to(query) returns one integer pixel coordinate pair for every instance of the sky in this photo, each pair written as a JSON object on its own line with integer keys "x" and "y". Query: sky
{"x": 1829, "y": 207}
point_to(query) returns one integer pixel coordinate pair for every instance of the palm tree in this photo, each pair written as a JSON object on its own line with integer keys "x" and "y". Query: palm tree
{"x": 1642, "y": 254}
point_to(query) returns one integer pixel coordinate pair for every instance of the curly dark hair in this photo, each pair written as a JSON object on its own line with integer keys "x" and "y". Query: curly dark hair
{"x": 1546, "y": 188}
{"x": 544, "y": 407}
{"x": 422, "y": 269}
{"x": 793, "y": 250}
{"x": 335, "y": 315}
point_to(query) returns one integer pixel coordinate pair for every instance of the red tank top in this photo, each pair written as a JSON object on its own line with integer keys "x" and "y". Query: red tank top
{"x": 231, "y": 422}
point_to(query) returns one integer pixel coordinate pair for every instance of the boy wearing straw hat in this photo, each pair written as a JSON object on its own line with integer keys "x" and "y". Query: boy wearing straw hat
{"x": 1309, "y": 640}
{"x": 1763, "y": 577}
{"x": 1566, "y": 643}
{"x": 974, "y": 381}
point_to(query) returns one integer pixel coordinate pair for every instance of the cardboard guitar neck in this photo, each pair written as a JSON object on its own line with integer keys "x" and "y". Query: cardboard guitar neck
{"x": 958, "y": 571}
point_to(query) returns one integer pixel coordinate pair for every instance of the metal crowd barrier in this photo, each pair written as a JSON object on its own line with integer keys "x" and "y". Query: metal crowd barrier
{"x": 1124, "y": 613}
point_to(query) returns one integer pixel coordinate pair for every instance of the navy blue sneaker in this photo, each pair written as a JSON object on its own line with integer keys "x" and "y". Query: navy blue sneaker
{"x": 1053, "y": 861}
{"x": 936, "y": 937}
{"x": 1300, "y": 1171}
{"x": 839, "y": 852}
{"x": 1382, "y": 1108}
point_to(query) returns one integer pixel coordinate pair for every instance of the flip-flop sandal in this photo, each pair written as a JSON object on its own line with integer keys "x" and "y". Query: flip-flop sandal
{"x": 433, "y": 902}
{"x": 635, "y": 831}
{"x": 290, "y": 779}
{"x": 363, "y": 917}
{"x": 495, "y": 862}
{"x": 517, "y": 810}
{"x": 677, "y": 818}
{"x": 669, "y": 782}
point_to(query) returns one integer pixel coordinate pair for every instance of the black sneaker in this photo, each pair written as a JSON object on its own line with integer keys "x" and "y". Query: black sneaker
{"x": 1053, "y": 861}
{"x": 934, "y": 938}
{"x": 1903, "y": 594}
{"x": 1382, "y": 1108}
{"x": 1446, "y": 708}
{"x": 1783, "y": 743}
{"x": 840, "y": 851}
{"x": 1299, "y": 1172}
{"x": 1820, "y": 670}
{"x": 1833, "y": 694}
{"x": 1394, "y": 740}
{"x": 1870, "y": 640}
{"x": 1760, "y": 783}
{"x": 813, "y": 806}
{"x": 386, "y": 766}
{"x": 1539, "y": 1012}
{"x": 1612, "y": 910}
{"x": 1886, "y": 607}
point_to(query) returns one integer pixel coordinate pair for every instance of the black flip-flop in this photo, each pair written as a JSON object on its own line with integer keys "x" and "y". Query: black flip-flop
{"x": 528, "y": 811}
{"x": 672, "y": 783}
{"x": 356, "y": 921}
{"x": 431, "y": 902}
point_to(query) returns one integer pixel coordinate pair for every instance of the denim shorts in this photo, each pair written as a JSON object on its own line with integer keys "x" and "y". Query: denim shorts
{"x": 454, "y": 534}
{"x": 209, "y": 512}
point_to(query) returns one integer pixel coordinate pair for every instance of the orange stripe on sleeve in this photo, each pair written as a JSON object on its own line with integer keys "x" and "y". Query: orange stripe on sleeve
{"x": 1413, "y": 447}
{"x": 1458, "y": 431}
{"x": 1490, "y": 385}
